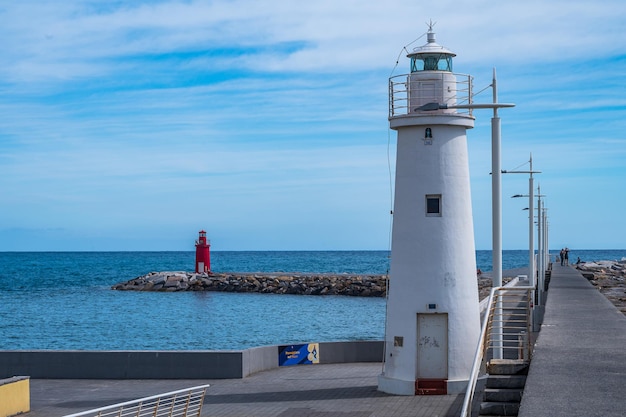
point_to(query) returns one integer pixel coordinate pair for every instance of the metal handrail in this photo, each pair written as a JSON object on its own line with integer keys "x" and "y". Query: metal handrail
{"x": 182, "y": 403}
{"x": 484, "y": 341}
{"x": 510, "y": 314}
{"x": 400, "y": 94}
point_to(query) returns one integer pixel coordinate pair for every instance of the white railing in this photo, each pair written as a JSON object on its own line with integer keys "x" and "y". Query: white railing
{"x": 509, "y": 309}
{"x": 401, "y": 91}
{"x": 511, "y": 315}
{"x": 181, "y": 403}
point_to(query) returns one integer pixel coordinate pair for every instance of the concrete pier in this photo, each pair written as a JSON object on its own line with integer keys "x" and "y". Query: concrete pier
{"x": 579, "y": 362}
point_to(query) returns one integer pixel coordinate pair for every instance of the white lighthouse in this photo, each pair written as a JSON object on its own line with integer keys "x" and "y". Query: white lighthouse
{"x": 433, "y": 321}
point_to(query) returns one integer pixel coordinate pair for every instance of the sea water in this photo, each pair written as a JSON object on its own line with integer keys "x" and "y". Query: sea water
{"x": 63, "y": 300}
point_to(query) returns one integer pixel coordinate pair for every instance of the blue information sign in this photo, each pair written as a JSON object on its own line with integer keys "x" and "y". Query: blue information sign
{"x": 298, "y": 354}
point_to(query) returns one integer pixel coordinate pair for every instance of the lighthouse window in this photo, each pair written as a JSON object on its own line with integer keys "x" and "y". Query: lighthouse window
{"x": 433, "y": 205}
{"x": 430, "y": 63}
{"x": 441, "y": 62}
{"x": 445, "y": 63}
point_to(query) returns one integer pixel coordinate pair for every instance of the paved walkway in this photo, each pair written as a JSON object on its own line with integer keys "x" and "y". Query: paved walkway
{"x": 579, "y": 362}
{"x": 342, "y": 390}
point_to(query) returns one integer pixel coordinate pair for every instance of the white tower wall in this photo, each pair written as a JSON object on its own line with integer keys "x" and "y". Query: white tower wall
{"x": 433, "y": 260}
{"x": 432, "y": 87}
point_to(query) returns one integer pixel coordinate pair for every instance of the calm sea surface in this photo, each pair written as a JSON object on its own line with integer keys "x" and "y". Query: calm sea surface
{"x": 63, "y": 300}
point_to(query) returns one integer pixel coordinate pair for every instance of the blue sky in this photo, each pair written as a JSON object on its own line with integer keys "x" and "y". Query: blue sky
{"x": 131, "y": 125}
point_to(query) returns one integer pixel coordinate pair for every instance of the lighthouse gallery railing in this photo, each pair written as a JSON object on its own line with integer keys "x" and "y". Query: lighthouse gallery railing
{"x": 401, "y": 91}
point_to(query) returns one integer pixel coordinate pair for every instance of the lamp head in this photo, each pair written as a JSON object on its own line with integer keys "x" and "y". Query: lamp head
{"x": 430, "y": 107}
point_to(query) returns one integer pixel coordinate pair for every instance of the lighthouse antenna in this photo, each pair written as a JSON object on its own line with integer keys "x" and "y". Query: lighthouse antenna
{"x": 431, "y": 25}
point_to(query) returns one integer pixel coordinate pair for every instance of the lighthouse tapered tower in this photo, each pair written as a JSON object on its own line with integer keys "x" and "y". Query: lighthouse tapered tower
{"x": 203, "y": 253}
{"x": 433, "y": 321}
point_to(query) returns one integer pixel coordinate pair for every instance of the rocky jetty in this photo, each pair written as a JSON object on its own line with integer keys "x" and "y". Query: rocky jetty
{"x": 275, "y": 283}
{"x": 279, "y": 283}
{"x": 609, "y": 277}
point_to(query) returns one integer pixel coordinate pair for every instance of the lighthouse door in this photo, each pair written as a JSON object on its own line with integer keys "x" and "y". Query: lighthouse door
{"x": 432, "y": 346}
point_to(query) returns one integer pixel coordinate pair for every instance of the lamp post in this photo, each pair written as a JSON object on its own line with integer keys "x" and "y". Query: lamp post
{"x": 546, "y": 250}
{"x": 543, "y": 253}
{"x": 535, "y": 273}
{"x": 531, "y": 214}
{"x": 541, "y": 250}
{"x": 496, "y": 193}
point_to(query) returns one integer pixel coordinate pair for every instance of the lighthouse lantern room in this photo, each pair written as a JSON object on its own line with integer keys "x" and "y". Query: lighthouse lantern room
{"x": 203, "y": 254}
{"x": 433, "y": 321}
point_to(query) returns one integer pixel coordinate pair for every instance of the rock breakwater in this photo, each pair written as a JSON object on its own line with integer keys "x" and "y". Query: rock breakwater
{"x": 357, "y": 285}
{"x": 609, "y": 277}
{"x": 274, "y": 283}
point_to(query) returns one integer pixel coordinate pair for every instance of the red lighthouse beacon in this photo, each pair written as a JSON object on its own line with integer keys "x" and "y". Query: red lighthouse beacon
{"x": 203, "y": 254}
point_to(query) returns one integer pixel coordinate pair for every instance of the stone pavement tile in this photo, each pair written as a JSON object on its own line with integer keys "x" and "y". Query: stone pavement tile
{"x": 343, "y": 390}
{"x": 59, "y": 397}
{"x": 308, "y": 412}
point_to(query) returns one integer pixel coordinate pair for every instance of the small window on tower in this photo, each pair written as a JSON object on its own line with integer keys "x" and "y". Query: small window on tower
{"x": 433, "y": 205}
{"x": 428, "y": 134}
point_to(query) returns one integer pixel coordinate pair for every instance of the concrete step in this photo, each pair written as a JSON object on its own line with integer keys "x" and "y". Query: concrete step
{"x": 507, "y": 367}
{"x": 506, "y": 395}
{"x": 503, "y": 393}
{"x": 506, "y": 381}
{"x": 498, "y": 409}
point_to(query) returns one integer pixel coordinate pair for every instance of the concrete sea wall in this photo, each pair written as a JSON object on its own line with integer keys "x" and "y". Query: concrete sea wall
{"x": 170, "y": 364}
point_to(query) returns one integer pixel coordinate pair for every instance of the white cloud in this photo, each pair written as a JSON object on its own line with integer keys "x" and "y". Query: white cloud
{"x": 281, "y": 107}
{"x": 77, "y": 39}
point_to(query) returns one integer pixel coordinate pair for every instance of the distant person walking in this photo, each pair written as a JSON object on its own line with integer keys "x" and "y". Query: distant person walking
{"x": 562, "y": 256}
{"x": 566, "y": 256}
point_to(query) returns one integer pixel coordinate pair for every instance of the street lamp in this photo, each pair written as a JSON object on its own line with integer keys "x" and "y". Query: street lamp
{"x": 542, "y": 244}
{"x": 496, "y": 190}
{"x": 531, "y": 213}
{"x": 543, "y": 253}
{"x": 531, "y": 237}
